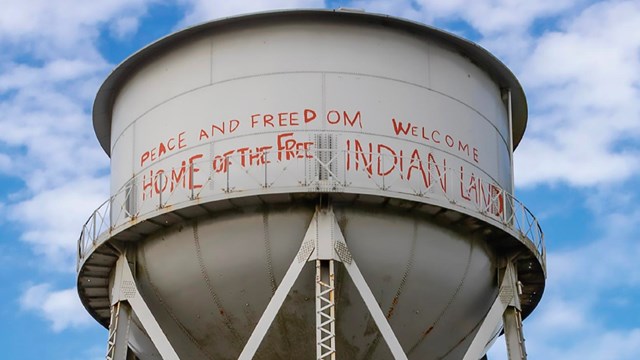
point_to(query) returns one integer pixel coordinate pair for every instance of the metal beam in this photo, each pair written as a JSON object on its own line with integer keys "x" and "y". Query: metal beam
{"x": 343, "y": 254}
{"x": 325, "y": 310}
{"x": 377, "y": 314}
{"x": 323, "y": 244}
{"x": 513, "y": 334}
{"x": 306, "y": 248}
{"x": 118, "y": 344}
{"x": 507, "y": 298}
{"x": 125, "y": 289}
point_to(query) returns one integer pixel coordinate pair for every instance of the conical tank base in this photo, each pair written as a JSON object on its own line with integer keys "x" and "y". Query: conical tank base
{"x": 208, "y": 282}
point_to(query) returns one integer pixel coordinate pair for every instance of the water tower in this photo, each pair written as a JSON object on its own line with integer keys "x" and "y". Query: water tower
{"x": 311, "y": 185}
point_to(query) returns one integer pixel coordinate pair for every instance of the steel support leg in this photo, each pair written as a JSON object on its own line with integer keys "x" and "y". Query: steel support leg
{"x": 125, "y": 290}
{"x": 119, "y": 331}
{"x": 513, "y": 334}
{"x": 323, "y": 244}
{"x": 307, "y": 247}
{"x": 505, "y": 308}
{"x": 325, "y": 310}
{"x": 376, "y": 312}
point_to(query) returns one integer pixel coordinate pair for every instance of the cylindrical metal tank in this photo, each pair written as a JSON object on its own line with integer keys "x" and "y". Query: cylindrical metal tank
{"x": 226, "y": 137}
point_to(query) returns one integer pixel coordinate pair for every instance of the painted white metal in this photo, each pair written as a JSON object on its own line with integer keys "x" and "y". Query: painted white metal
{"x": 507, "y": 299}
{"x": 358, "y": 106}
{"x": 306, "y": 248}
{"x": 393, "y": 104}
{"x": 501, "y": 209}
{"x": 325, "y": 310}
{"x": 125, "y": 289}
{"x": 117, "y": 343}
{"x": 325, "y": 232}
{"x": 511, "y": 148}
{"x": 329, "y": 233}
{"x": 377, "y": 314}
{"x": 514, "y": 334}
{"x": 512, "y": 320}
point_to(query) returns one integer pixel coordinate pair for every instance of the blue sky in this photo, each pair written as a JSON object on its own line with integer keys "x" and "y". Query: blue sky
{"x": 578, "y": 168}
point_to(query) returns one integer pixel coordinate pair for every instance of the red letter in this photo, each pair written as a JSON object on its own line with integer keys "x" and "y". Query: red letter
{"x": 267, "y": 120}
{"x": 397, "y": 127}
{"x": 177, "y": 177}
{"x": 293, "y": 119}
{"x": 282, "y": 119}
{"x": 144, "y": 157}
{"x": 309, "y": 115}
{"x": 382, "y": 163}
{"x": 253, "y": 120}
{"x": 203, "y": 134}
{"x": 233, "y": 125}
{"x": 356, "y": 118}
{"x": 449, "y": 140}
{"x": 147, "y": 185}
{"x": 193, "y": 170}
{"x": 433, "y": 136}
{"x": 161, "y": 149}
{"x": 329, "y": 117}
{"x": 181, "y": 143}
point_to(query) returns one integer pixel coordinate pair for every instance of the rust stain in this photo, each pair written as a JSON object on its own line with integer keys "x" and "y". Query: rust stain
{"x": 427, "y": 332}
{"x": 392, "y": 308}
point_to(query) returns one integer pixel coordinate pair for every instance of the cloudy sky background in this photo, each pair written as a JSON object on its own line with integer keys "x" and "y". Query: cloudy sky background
{"x": 578, "y": 168}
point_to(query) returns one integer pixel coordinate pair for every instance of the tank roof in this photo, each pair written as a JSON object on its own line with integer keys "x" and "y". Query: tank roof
{"x": 498, "y": 71}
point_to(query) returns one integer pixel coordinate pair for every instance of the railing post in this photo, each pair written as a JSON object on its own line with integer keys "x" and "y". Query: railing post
{"x": 515, "y": 217}
{"x": 265, "y": 161}
{"x": 346, "y": 166}
{"x": 228, "y": 169}
{"x": 384, "y": 187}
{"x": 524, "y": 220}
{"x": 504, "y": 209}
{"x": 191, "y": 181}
{"x": 305, "y": 165}
{"x": 93, "y": 221}
{"x": 160, "y": 191}
{"x": 111, "y": 222}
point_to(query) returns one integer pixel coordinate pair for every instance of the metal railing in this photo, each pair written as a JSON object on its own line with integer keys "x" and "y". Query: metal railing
{"x": 149, "y": 193}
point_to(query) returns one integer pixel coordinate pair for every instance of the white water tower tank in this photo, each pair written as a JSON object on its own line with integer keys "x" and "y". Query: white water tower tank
{"x": 311, "y": 184}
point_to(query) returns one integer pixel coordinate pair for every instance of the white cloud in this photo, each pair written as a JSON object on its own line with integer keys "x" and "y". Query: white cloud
{"x": 62, "y": 309}
{"x": 5, "y": 163}
{"x": 124, "y": 27}
{"x": 488, "y": 17}
{"x": 52, "y": 219}
{"x": 50, "y": 69}
{"x": 45, "y": 102}
{"x": 202, "y": 10}
{"x": 495, "y": 16}
{"x": 592, "y": 288}
{"x": 609, "y": 261}
{"x": 49, "y": 144}
{"x": 57, "y": 28}
{"x": 597, "y": 345}
{"x": 586, "y": 82}
{"x": 582, "y": 76}
{"x": 399, "y": 8}
{"x": 19, "y": 76}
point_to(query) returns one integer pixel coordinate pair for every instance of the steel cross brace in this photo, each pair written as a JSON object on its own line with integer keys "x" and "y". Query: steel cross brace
{"x": 126, "y": 301}
{"x": 323, "y": 244}
{"x": 505, "y": 308}
{"x": 325, "y": 310}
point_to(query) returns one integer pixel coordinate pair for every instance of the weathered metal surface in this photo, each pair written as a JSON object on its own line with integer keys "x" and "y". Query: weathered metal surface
{"x": 449, "y": 288}
{"x": 223, "y": 138}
